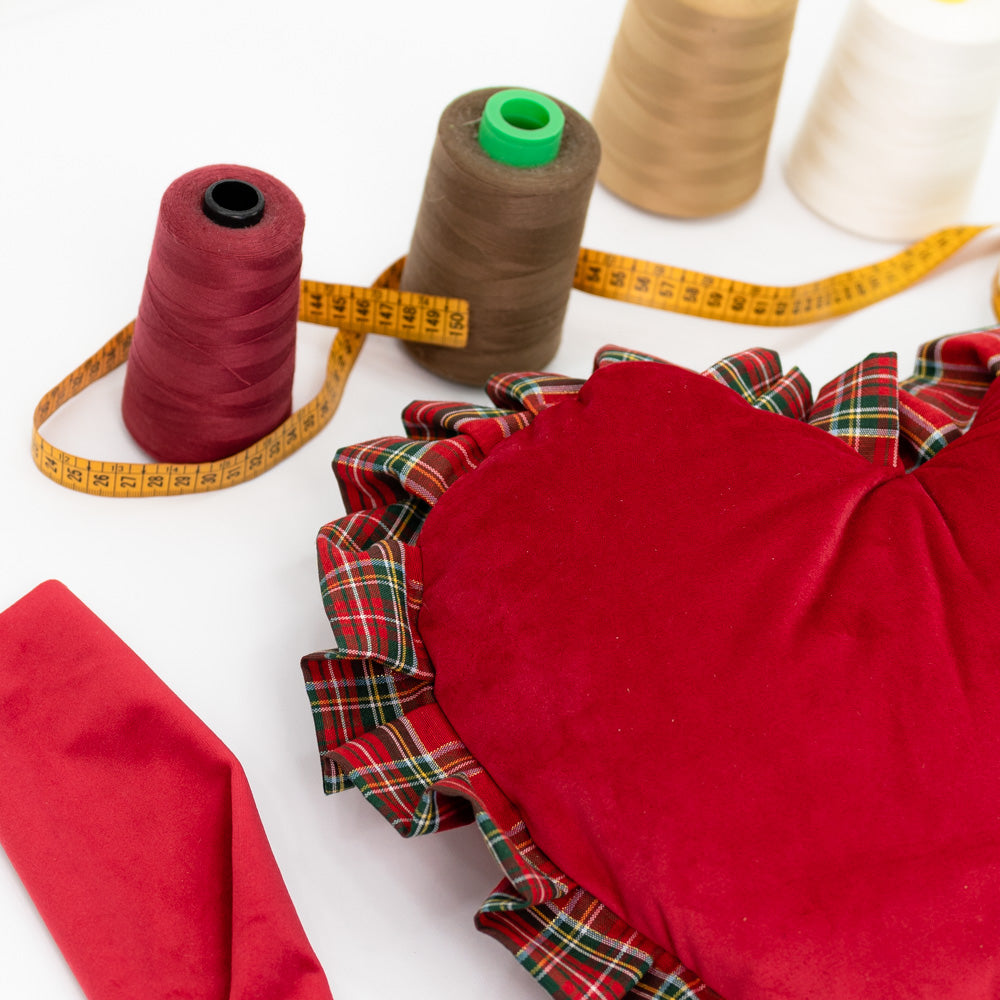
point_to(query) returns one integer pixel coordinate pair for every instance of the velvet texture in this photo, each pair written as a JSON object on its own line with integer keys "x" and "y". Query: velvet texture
{"x": 740, "y": 682}
{"x": 132, "y": 826}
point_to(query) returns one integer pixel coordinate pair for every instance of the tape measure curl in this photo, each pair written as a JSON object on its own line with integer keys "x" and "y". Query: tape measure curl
{"x": 355, "y": 311}
{"x": 445, "y": 322}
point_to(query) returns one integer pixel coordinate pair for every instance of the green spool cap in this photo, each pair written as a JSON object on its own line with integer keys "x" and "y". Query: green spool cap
{"x": 521, "y": 128}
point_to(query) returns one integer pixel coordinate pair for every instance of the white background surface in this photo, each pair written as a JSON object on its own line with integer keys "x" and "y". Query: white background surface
{"x": 104, "y": 102}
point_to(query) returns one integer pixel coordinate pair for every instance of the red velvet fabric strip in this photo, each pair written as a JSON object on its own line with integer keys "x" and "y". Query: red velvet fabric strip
{"x": 132, "y": 826}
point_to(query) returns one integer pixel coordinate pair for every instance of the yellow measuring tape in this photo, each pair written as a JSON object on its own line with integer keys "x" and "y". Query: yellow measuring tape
{"x": 695, "y": 294}
{"x": 429, "y": 319}
{"x": 437, "y": 320}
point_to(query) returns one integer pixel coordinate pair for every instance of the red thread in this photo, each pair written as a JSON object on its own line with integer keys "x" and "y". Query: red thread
{"x": 211, "y": 364}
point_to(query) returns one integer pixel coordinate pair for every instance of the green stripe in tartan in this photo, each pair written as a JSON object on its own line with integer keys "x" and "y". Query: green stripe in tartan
{"x": 748, "y": 373}
{"x": 928, "y": 445}
{"x": 564, "y": 943}
{"x": 568, "y": 939}
{"x": 334, "y": 780}
{"x": 531, "y": 884}
{"x": 427, "y": 419}
{"x": 348, "y": 697}
{"x": 789, "y": 396}
{"x": 422, "y": 815}
{"x": 616, "y": 355}
{"x": 576, "y": 947}
{"x": 971, "y": 358}
{"x": 398, "y": 766}
{"x": 861, "y": 407}
{"x": 940, "y": 400}
{"x": 677, "y": 983}
{"x": 565, "y": 948}
{"x": 422, "y": 468}
{"x": 503, "y": 901}
{"x": 400, "y": 787}
{"x": 356, "y": 532}
{"x": 531, "y": 391}
{"x": 857, "y": 403}
{"x": 339, "y": 703}
{"x": 393, "y": 458}
{"x": 374, "y": 474}
{"x": 368, "y": 603}
{"x": 362, "y": 481}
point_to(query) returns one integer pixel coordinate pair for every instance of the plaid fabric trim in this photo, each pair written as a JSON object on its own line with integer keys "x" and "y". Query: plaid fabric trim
{"x": 377, "y": 725}
{"x": 484, "y": 425}
{"x": 748, "y": 373}
{"x": 940, "y": 399}
{"x": 436, "y": 420}
{"x": 387, "y": 461}
{"x": 960, "y": 367}
{"x": 529, "y": 872}
{"x": 389, "y": 469}
{"x": 531, "y": 391}
{"x": 924, "y": 430}
{"x": 861, "y": 407}
{"x": 754, "y": 375}
{"x": 397, "y": 767}
{"x": 385, "y": 736}
{"x": 616, "y": 355}
{"x": 577, "y": 947}
{"x": 371, "y": 600}
{"x": 354, "y": 696}
{"x": 671, "y": 982}
{"x": 363, "y": 479}
{"x": 789, "y": 396}
{"x": 359, "y": 531}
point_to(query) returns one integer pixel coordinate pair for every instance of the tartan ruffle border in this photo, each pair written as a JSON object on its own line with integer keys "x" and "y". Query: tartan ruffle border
{"x": 378, "y": 726}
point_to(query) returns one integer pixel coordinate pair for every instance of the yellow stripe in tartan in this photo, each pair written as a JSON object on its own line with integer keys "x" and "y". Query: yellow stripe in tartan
{"x": 671, "y": 987}
{"x": 742, "y": 375}
{"x": 416, "y": 773}
{"x": 563, "y": 933}
{"x": 614, "y": 355}
{"x": 858, "y": 420}
{"x": 367, "y": 624}
{"x": 519, "y": 870}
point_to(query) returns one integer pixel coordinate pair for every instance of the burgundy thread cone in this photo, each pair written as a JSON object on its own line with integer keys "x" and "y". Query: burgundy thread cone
{"x": 212, "y": 360}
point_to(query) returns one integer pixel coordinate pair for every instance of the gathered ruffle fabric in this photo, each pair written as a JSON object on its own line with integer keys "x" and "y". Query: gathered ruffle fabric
{"x": 378, "y": 725}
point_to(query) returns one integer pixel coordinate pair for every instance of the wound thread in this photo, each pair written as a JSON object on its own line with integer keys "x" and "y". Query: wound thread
{"x": 211, "y": 364}
{"x": 688, "y": 100}
{"x": 895, "y": 134}
{"x": 503, "y": 237}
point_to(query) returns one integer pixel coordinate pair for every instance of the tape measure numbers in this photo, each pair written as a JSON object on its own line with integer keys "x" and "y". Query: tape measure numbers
{"x": 355, "y": 311}
{"x": 661, "y": 286}
{"x": 445, "y": 321}
{"x": 428, "y": 319}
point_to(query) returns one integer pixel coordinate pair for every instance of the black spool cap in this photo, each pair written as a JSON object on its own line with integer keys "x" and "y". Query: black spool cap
{"x": 233, "y": 203}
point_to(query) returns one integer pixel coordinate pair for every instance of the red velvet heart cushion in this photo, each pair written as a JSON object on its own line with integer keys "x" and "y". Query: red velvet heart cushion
{"x": 737, "y": 681}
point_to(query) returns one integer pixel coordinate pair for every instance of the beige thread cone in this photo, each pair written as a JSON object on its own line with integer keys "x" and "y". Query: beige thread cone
{"x": 686, "y": 108}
